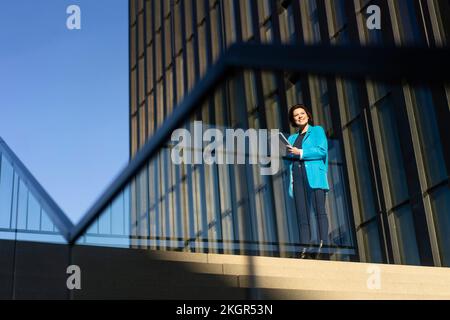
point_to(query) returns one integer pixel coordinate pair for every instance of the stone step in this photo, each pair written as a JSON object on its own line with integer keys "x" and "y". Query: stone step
{"x": 274, "y": 262}
{"x": 330, "y": 272}
{"x": 394, "y": 287}
{"x": 318, "y": 264}
{"x": 284, "y": 294}
{"x": 242, "y": 265}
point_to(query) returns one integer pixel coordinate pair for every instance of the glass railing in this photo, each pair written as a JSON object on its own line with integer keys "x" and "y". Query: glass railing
{"x": 212, "y": 180}
{"x": 23, "y": 213}
{"x": 220, "y": 185}
{"x": 214, "y": 177}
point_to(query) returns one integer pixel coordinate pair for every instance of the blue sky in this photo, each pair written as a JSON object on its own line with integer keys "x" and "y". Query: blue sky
{"x": 64, "y": 95}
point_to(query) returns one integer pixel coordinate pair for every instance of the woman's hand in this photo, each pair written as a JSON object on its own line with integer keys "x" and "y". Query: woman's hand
{"x": 294, "y": 151}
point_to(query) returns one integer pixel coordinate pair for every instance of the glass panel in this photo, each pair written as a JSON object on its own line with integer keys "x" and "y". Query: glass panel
{"x": 352, "y": 103}
{"x": 148, "y": 21}
{"x": 134, "y": 135}
{"x": 247, "y": 19}
{"x": 133, "y": 92}
{"x": 177, "y": 25}
{"x": 141, "y": 34}
{"x": 440, "y": 200}
{"x": 409, "y": 23}
{"x": 133, "y": 47}
{"x": 150, "y": 68}
{"x": 406, "y": 236}
{"x": 159, "y": 54}
{"x": 6, "y": 191}
{"x": 229, "y": 18}
{"x": 142, "y": 129}
{"x": 371, "y": 37}
{"x": 34, "y": 214}
{"x": 22, "y": 206}
{"x": 168, "y": 50}
{"x": 190, "y": 64}
{"x": 371, "y": 238}
{"x": 337, "y": 200}
{"x": 189, "y": 22}
{"x": 112, "y": 228}
{"x": 310, "y": 22}
{"x": 215, "y": 33}
{"x": 179, "y": 78}
{"x": 21, "y": 215}
{"x": 141, "y": 86}
{"x": 339, "y": 32}
{"x": 132, "y": 11}
{"x": 361, "y": 166}
{"x": 321, "y": 103}
{"x": 220, "y": 186}
{"x": 393, "y": 151}
{"x": 46, "y": 223}
{"x": 158, "y": 13}
{"x": 287, "y": 25}
{"x": 431, "y": 144}
{"x": 202, "y": 48}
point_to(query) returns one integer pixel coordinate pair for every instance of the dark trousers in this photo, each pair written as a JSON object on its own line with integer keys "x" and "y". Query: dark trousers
{"x": 311, "y": 213}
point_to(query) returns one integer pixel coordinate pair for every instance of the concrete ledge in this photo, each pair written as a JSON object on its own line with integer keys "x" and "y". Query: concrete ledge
{"x": 387, "y": 287}
{"x": 337, "y": 265}
{"x": 331, "y": 272}
{"x": 282, "y": 294}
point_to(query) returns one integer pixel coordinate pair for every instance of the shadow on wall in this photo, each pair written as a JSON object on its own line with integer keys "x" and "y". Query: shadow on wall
{"x": 38, "y": 271}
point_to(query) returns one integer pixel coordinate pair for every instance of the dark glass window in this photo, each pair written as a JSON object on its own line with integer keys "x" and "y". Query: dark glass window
{"x": 287, "y": 25}
{"x": 430, "y": 140}
{"x": 392, "y": 150}
{"x": 361, "y": 166}
{"x": 406, "y": 236}
{"x": 339, "y": 19}
{"x": 409, "y": 24}
{"x": 440, "y": 200}
{"x": 352, "y": 101}
{"x": 371, "y": 236}
{"x": 313, "y": 21}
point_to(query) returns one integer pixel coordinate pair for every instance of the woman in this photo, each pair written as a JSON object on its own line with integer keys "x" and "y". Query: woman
{"x": 308, "y": 155}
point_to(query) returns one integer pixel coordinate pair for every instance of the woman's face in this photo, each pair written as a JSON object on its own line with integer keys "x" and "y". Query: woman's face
{"x": 301, "y": 118}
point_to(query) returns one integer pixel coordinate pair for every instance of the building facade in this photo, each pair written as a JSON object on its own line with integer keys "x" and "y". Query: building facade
{"x": 389, "y": 159}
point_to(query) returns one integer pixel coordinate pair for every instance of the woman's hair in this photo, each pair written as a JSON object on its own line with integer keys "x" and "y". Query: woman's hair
{"x": 299, "y": 106}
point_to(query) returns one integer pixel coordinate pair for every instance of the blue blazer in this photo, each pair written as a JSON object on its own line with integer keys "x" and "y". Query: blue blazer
{"x": 315, "y": 155}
